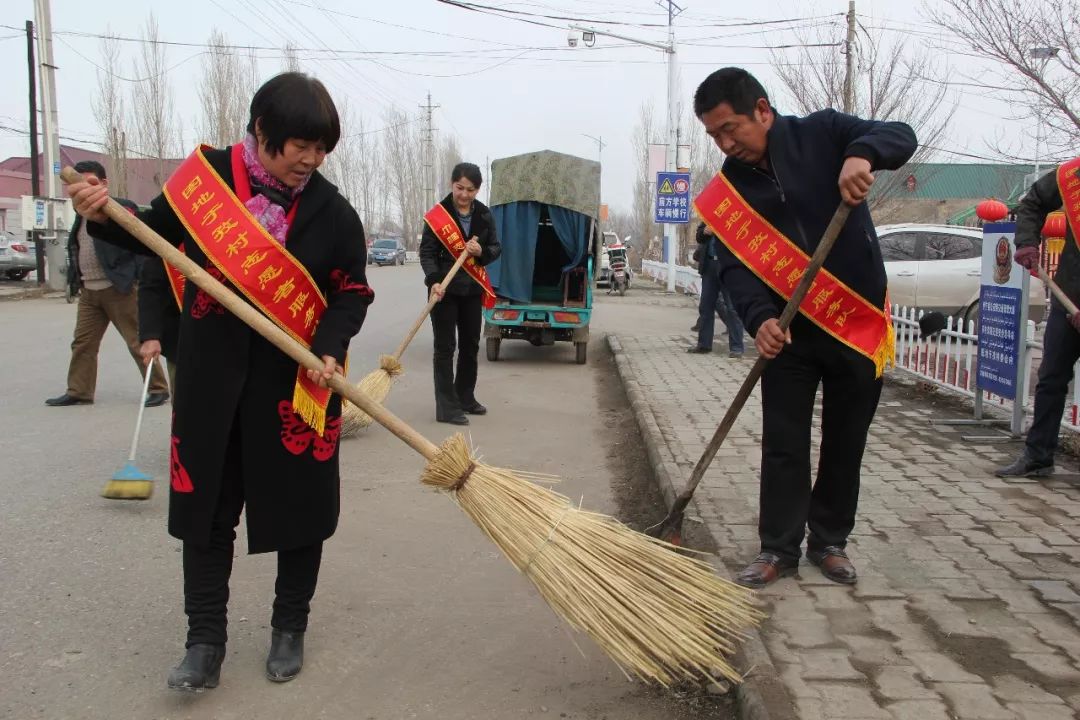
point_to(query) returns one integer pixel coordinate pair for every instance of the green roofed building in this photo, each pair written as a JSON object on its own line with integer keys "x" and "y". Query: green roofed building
{"x": 946, "y": 192}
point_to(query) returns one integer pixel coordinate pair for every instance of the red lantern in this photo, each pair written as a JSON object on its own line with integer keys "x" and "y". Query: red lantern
{"x": 991, "y": 210}
{"x": 1054, "y": 227}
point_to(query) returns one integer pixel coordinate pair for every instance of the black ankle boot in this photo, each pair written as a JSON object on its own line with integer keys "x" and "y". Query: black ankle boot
{"x": 286, "y": 656}
{"x": 199, "y": 670}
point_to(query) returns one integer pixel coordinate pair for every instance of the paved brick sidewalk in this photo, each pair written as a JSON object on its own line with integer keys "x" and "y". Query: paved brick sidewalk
{"x": 968, "y": 602}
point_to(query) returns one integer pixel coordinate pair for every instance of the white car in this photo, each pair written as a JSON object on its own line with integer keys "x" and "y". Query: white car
{"x": 938, "y": 267}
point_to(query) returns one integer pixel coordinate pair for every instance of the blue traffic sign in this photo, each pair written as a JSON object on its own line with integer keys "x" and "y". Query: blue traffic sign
{"x": 672, "y": 197}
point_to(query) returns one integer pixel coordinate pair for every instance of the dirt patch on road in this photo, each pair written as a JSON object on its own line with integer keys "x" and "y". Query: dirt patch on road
{"x": 641, "y": 505}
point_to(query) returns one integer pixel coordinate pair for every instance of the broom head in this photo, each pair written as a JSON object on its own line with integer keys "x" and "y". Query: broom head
{"x": 661, "y": 616}
{"x": 376, "y": 384}
{"x": 129, "y": 483}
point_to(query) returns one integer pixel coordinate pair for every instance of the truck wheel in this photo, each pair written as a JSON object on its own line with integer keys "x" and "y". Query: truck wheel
{"x": 493, "y": 349}
{"x": 581, "y": 349}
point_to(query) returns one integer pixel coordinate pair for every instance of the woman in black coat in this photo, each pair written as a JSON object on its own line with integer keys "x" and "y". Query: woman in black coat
{"x": 237, "y": 437}
{"x": 458, "y": 311}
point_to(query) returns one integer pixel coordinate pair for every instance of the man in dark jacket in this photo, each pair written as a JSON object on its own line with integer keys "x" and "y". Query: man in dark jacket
{"x": 1061, "y": 341}
{"x": 105, "y": 277}
{"x": 159, "y": 316}
{"x": 714, "y": 298}
{"x": 793, "y": 172}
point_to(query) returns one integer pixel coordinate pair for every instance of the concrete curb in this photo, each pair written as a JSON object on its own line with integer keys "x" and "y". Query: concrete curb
{"x": 764, "y": 681}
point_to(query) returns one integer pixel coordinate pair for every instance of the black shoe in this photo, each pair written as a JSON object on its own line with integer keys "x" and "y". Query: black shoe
{"x": 199, "y": 670}
{"x": 834, "y": 564}
{"x": 767, "y": 568}
{"x": 286, "y": 657}
{"x": 65, "y": 400}
{"x": 698, "y": 350}
{"x": 474, "y": 409}
{"x": 697, "y": 326}
{"x": 454, "y": 420}
{"x": 155, "y": 399}
{"x": 1024, "y": 466}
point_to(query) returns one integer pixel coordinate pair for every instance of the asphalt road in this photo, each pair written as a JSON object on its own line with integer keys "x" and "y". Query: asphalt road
{"x": 417, "y": 615}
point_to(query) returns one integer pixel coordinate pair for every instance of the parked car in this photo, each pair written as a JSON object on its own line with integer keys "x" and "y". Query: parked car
{"x": 386, "y": 251}
{"x": 17, "y": 257}
{"x": 939, "y": 267}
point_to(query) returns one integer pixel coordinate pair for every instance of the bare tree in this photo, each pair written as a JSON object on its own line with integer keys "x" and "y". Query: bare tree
{"x": 1047, "y": 83}
{"x": 152, "y": 101}
{"x": 892, "y": 81}
{"x": 108, "y": 109}
{"x": 354, "y": 166}
{"x": 290, "y": 61}
{"x": 404, "y": 172}
{"x": 225, "y": 91}
{"x": 447, "y": 155}
{"x": 645, "y": 231}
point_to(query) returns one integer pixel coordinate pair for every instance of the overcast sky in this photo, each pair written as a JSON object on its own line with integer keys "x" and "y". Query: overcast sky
{"x": 503, "y": 86}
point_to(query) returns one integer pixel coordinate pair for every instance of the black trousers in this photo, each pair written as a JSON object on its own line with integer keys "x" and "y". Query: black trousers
{"x": 850, "y": 395}
{"x": 207, "y": 569}
{"x": 455, "y": 322}
{"x": 1061, "y": 350}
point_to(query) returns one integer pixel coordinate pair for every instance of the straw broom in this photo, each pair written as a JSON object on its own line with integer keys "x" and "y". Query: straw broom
{"x": 377, "y": 383}
{"x": 661, "y": 616}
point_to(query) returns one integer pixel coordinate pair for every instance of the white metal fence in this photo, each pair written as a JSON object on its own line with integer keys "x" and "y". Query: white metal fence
{"x": 949, "y": 359}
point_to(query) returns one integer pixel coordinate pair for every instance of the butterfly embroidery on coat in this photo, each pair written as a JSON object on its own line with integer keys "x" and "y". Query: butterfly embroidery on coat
{"x": 204, "y": 303}
{"x": 343, "y": 282}
{"x": 297, "y": 435}
{"x": 178, "y": 474}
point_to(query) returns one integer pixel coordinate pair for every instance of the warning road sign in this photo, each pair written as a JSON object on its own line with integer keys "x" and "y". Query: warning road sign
{"x": 672, "y": 197}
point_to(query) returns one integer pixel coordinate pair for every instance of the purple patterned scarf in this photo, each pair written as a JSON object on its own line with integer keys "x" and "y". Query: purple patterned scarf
{"x": 268, "y": 194}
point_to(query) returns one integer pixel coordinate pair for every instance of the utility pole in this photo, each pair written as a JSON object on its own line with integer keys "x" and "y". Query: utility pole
{"x": 588, "y": 36}
{"x": 429, "y": 154}
{"x": 600, "y": 145}
{"x": 672, "y": 136}
{"x": 55, "y": 255}
{"x": 849, "y": 52}
{"x": 35, "y": 175}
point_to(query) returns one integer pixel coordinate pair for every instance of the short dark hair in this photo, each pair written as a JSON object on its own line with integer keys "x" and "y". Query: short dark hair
{"x": 730, "y": 85}
{"x": 294, "y": 105}
{"x": 91, "y": 166}
{"x": 469, "y": 171}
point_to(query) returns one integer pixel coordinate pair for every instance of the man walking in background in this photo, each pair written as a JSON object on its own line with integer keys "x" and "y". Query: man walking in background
{"x": 714, "y": 299}
{"x": 104, "y": 276}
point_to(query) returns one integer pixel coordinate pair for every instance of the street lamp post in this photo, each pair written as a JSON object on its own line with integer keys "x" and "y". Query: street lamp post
{"x": 589, "y": 35}
{"x": 600, "y": 145}
{"x": 1045, "y": 54}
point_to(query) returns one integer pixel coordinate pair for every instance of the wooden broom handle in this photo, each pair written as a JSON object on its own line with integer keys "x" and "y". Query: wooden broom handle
{"x": 258, "y": 322}
{"x": 431, "y": 304}
{"x": 1069, "y": 305}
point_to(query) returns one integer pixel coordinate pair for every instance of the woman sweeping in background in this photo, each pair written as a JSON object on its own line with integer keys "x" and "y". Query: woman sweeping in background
{"x": 459, "y": 309}
{"x": 251, "y": 428}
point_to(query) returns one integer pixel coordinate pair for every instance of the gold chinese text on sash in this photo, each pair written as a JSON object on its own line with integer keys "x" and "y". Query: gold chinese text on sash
{"x": 1068, "y": 179}
{"x": 444, "y": 227}
{"x": 780, "y": 264}
{"x": 254, "y": 262}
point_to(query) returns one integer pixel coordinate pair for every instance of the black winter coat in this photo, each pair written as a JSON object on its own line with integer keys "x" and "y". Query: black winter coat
{"x": 121, "y": 266}
{"x": 159, "y": 316}
{"x": 436, "y": 260}
{"x": 238, "y": 387}
{"x": 799, "y": 194}
{"x": 1043, "y": 198}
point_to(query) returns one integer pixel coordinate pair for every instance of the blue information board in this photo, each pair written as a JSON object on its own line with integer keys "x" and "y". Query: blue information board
{"x": 672, "y": 197}
{"x": 1000, "y": 300}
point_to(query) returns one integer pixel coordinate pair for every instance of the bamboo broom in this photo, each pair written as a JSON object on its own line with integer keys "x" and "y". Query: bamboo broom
{"x": 377, "y": 383}
{"x": 661, "y": 616}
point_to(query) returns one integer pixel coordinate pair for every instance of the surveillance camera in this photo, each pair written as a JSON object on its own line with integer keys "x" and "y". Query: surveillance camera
{"x": 589, "y": 38}
{"x": 572, "y": 38}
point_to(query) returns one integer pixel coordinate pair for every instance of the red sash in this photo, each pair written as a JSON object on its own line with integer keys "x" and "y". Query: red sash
{"x": 1068, "y": 179}
{"x": 780, "y": 263}
{"x": 446, "y": 229}
{"x": 177, "y": 281}
{"x": 252, "y": 260}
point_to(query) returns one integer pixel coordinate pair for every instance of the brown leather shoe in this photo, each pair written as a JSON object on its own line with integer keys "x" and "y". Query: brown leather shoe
{"x": 834, "y": 564}
{"x": 767, "y": 568}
